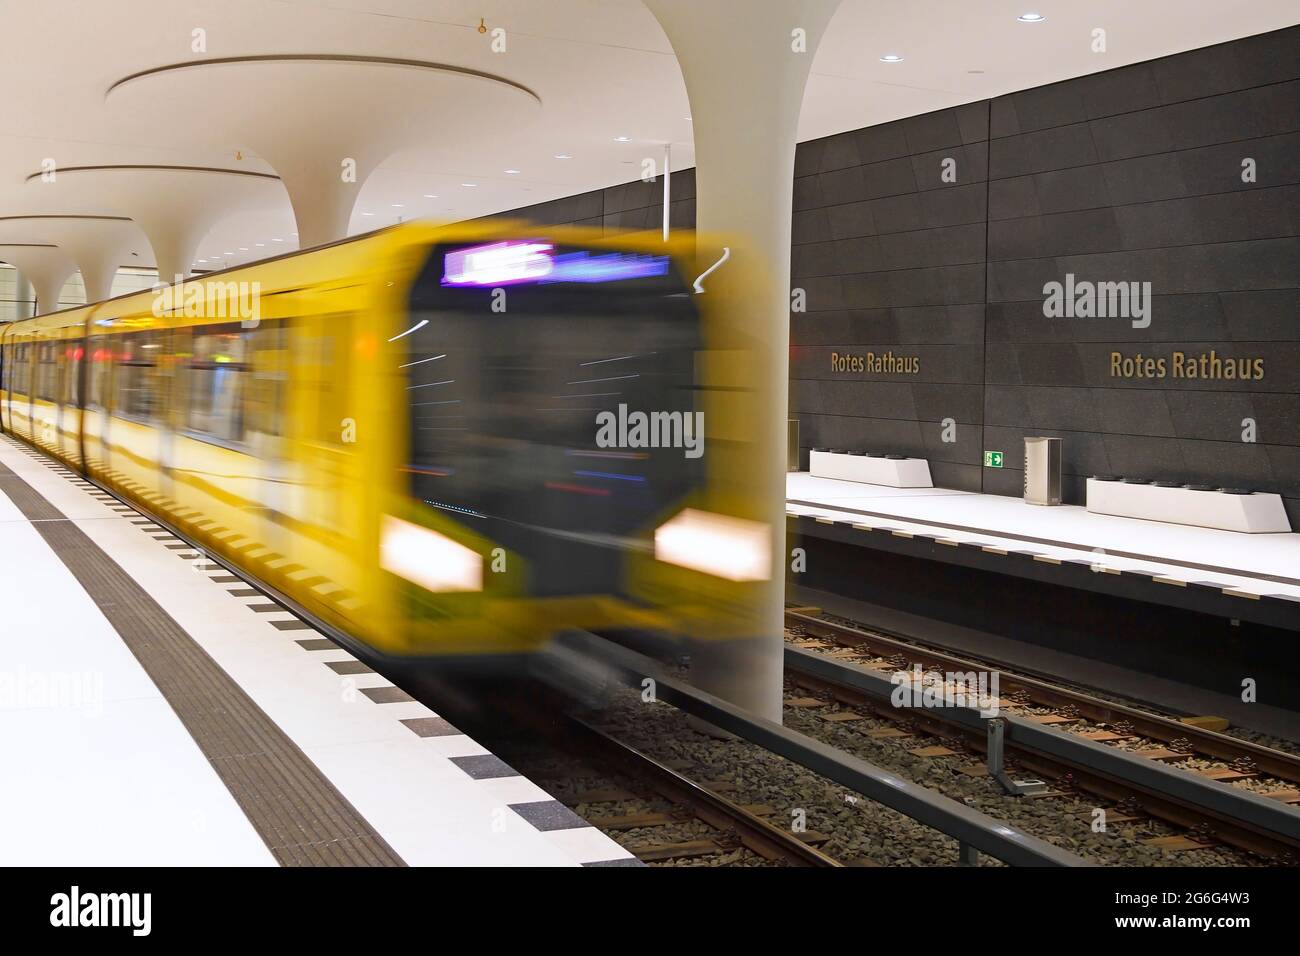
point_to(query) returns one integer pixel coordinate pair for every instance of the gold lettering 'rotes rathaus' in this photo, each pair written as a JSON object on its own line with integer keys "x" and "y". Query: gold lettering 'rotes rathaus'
{"x": 1205, "y": 365}
{"x": 881, "y": 363}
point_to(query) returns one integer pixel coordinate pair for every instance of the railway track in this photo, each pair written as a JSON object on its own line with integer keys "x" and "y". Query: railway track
{"x": 731, "y": 824}
{"x": 1216, "y": 787}
{"x": 666, "y": 812}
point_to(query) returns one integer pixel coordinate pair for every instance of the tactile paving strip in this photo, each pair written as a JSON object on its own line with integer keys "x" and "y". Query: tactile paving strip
{"x": 300, "y": 815}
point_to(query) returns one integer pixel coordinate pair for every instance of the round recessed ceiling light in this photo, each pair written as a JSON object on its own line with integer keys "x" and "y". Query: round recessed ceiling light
{"x": 243, "y": 248}
{"x": 203, "y": 260}
{"x": 430, "y": 196}
{"x": 891, "y": 58}
{"x": 227, "y": 253}
{"x": 563, "y": 156}
{"x": 399, "y": 205}
{"x": 367, "y": 214}
{"x": 259, "y": 243}
{"x": 277, "y": 240}
{"x": 622, "y": 139}
{"x": 471, "y": 185}
{"x": 512, "y": 172}
{"x": 1031, "y": 18}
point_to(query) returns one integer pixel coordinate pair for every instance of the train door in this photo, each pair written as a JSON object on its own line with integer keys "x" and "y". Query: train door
{"x": 70, "y": 401}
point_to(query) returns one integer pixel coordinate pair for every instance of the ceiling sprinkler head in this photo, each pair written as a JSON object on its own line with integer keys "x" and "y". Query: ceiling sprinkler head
{"x": 482, "y": 25}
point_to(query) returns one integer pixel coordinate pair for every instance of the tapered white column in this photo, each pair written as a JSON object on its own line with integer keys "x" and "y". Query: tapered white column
{"x": 46, "y": 267}
{"x": 23, "y": 295}
{"x": 745, "y": 65}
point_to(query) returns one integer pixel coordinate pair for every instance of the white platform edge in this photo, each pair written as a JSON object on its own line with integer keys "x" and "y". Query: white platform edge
{"x": 999, "y": 520}
{"x": 429, "y": 810}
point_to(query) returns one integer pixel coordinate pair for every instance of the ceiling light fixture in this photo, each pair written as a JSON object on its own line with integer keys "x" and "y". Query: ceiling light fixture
{"x": 430, "y": 196}
{"x": 1031, "y": 18}
{"x": 367, "y": 214}
{"x": 622, "y": 139}
{"x": 398, "y": 205}
{"x": 563, "y": 156}
{"x": 891, "y": 58}
{"x": 512, "y": 172}
{"x": 470, "y": 185}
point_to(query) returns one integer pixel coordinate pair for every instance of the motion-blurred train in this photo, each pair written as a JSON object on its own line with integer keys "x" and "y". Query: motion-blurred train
{"x": 447, "y": 442}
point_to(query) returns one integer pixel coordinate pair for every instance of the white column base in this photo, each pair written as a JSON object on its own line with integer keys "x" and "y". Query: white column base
{"x": 893, "y": 472}
{"x": 1257, "y": 513}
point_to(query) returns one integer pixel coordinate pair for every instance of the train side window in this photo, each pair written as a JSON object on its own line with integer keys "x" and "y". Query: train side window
{"x": 75, "y": 351}
{"x": 266, "y": 390}
{"x": 100, "y": 356}
{"x": 22, "y": 370}
{"x": 47, "y": 372}
{"x": 136, "y": 385}
{"x": 217, "y": 376}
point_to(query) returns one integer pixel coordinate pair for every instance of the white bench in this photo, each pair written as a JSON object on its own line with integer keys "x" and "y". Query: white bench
{"x": 1257, "y": 513}
{"x": 894, "y": 472}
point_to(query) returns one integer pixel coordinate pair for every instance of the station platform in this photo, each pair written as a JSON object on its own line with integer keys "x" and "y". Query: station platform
{"x": 1247, "y": 576}
{"x": 156, "y": 709}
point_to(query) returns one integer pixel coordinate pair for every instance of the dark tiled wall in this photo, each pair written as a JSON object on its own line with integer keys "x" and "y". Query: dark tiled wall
{"x": 1128, "y": 175}
{"x": 1135, "y": 174}
{"x": 891, "y": 258}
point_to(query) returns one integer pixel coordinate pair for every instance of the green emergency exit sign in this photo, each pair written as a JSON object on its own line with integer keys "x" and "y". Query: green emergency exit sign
{"x": 993, "y": 459}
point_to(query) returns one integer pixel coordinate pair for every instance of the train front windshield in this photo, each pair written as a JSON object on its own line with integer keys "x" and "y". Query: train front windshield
{"x": 553, "y": 401}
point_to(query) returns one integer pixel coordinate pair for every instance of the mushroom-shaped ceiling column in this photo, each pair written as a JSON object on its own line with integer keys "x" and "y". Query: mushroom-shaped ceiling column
{"x": 45, "y": 266}
{"x": 98, "y": 244}
{"x": 332, "y": 119}
{"x": 745, "y": 67}
{"x": 176, "y": 206}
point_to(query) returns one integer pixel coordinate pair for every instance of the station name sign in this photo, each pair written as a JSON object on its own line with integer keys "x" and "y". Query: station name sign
{"x": 880, "y": 363}
{"x": 1203, "y": 365}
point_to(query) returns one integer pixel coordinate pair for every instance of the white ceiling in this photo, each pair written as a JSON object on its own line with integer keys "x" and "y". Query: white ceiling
{"x": 602, "y": 69}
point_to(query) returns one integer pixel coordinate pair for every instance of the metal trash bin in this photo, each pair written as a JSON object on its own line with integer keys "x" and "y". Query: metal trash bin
{"x": 792, "y": 444}
{"x": 1043, "y": 471}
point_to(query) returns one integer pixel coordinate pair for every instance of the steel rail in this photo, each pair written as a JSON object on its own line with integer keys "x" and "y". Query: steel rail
{"x": 765, "y": 839}
{"x": 971, "y": 828}
{"x": 1210, "y": 743}
{"x": 1262, "y": 815}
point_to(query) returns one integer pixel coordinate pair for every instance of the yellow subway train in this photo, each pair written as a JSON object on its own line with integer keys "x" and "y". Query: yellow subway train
{"x": 445, "y": 442}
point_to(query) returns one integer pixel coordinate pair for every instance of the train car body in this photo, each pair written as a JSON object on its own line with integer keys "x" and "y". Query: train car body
{"x": 444, "y": 442}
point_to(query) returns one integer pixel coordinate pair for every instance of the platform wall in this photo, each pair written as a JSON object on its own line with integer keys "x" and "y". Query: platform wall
{"x": 1128, "y": 175}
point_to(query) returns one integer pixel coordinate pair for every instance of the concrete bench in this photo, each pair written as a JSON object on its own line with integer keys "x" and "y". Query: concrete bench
{"x": 895, "y": 472}
{"x": 1255, "y": 513}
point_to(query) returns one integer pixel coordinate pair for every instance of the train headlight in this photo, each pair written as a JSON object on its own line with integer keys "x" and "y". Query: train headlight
{"x": 431, "y": 560}
{"x": 726, "y": 547}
